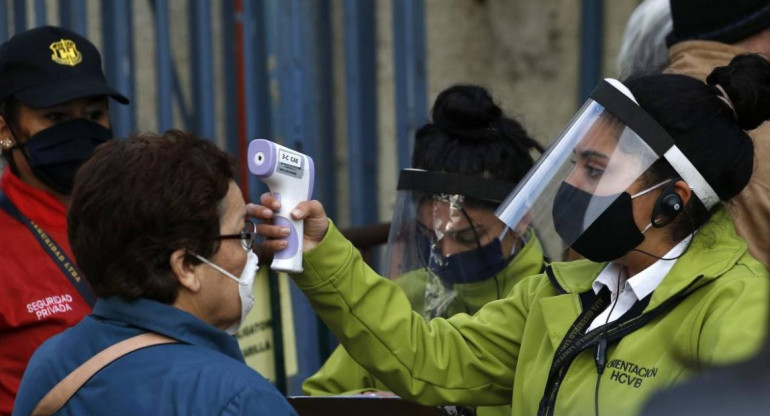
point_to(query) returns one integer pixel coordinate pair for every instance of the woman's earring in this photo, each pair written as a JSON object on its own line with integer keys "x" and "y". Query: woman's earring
{"x": 6, "y": 143}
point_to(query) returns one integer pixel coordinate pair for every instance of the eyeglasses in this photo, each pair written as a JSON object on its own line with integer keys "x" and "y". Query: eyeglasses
{"x": 246, "y": 236}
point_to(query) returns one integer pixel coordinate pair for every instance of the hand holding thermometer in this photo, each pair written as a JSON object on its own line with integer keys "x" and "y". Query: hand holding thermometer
{"x": 289, "y": 175}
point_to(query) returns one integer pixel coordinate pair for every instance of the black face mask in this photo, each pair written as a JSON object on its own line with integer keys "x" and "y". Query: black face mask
{"x": 471, "y": 266}
{"x": 56, "y": 153}
{"x": 611, "y": 235}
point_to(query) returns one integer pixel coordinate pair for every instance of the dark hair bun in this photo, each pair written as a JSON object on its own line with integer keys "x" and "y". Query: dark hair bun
{"x": 746, "y": 80}
{"x": 470, "y": 136}
{"x": 465, "y": 111}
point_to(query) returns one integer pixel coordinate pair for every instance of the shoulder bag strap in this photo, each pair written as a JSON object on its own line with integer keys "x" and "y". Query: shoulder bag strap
{"x": 60, "y": 394}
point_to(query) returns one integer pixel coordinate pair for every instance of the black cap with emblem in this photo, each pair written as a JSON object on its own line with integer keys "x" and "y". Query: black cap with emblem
{"x": 47, "y": 66}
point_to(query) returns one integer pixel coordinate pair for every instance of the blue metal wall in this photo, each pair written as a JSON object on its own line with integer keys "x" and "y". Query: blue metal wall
{"x": 277, "y": 64}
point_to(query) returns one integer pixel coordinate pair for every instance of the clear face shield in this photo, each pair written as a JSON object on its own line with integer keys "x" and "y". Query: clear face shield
{"x": 580, "y": 192}
{"x": 445, "y": 238}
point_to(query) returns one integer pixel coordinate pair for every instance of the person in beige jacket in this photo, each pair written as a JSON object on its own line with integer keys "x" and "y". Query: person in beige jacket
{"x": 708, "y": 34}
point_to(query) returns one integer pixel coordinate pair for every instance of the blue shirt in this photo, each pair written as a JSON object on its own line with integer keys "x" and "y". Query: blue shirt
{"x": 204, "y": 374}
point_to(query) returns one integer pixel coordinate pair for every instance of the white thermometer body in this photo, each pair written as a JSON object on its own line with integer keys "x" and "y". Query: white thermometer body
{"x": 290, "y": 176}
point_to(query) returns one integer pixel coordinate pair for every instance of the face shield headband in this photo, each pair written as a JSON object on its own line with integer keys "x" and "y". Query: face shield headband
{"x": 438, "y": 183}
{"x": 618, "y": 100}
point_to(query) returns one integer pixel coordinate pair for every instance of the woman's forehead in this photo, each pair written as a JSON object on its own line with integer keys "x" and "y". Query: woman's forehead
{"x": 598, "y": 140}
{"x": 233, "y": 205}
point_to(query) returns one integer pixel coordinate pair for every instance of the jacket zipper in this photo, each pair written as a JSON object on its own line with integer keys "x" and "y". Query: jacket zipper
{"x": 550, "y": 404}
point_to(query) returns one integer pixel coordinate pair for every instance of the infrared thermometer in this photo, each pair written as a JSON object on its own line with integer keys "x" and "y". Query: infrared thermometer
{"x": 289, "y": 175}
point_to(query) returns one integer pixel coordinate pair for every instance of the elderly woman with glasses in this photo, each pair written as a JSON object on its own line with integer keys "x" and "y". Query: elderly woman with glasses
{"x": 159, "y": 228}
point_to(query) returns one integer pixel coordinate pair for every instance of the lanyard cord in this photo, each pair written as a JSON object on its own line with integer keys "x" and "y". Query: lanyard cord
{"x": 66, "y": 265}
{"x": 600, "y": 351}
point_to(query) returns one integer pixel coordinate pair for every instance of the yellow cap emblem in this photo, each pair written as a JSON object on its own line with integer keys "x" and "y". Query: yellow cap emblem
{"x": 66, "y": 53}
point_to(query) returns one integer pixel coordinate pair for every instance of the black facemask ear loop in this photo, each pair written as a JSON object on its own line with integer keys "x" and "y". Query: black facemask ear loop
{"x": 669, "y": 205}
{"x": 478, "y": 245}
{"x": 473, "y": 227}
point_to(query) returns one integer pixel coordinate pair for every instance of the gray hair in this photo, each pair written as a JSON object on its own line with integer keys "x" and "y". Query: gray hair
{"x": 644, "y": 47}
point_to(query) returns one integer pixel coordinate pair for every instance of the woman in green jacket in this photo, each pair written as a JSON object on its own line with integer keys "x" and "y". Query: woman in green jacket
{"x": 634, "y": 184}
{"x": 447, "y": 250}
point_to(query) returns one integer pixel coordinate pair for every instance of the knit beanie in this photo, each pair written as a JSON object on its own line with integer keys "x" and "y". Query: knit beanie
{"x": 726, "y": 21}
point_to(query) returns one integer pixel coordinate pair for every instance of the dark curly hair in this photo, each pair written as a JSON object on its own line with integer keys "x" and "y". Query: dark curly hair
{"x": 138, "y": 200}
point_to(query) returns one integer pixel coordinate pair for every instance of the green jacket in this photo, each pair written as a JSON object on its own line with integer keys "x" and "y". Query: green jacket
{"x": 503, "y": 353}
{"x": 342, "y": 375}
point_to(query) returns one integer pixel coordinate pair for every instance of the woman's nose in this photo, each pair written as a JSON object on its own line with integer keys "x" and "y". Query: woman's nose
{"x": 449, "y": 246}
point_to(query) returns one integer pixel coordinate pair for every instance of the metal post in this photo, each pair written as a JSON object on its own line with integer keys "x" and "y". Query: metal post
{"x": 591, "y": 34}
{"x": 3, "y": 21}
{"x": 411, "y": 84}
{"x": 181, "y": 101}
{"x": 325, "y": 156}
{"x": 276, "y": 320}
{"x": 167, "y": 75}
{"x": 361, "y": 80}
{"x": 326, "y": 179}
{"x": 40, "y": 17}
{"x": 229, "y": 72}
{"x": 73, "y": 16}
{"x": 119, "y": 62}
{"x": 19, "y": 16}
{"x": 164, "y": 74}
{"x": 199, "y": 32}
{"x": 273, "y": 37}
{"x": 256, "y": 98}
{"x": 64, "y": 13}
{"x": 240, "y": 75}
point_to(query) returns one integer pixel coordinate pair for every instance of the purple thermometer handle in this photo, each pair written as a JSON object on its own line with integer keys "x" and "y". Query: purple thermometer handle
{"x": 292, "y": 239}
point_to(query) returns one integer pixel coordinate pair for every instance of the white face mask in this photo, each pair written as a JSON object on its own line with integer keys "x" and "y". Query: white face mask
{"x": 245, "y": 286}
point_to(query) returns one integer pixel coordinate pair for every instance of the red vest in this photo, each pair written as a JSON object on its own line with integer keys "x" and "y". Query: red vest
{"x": 37, "y": 300}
